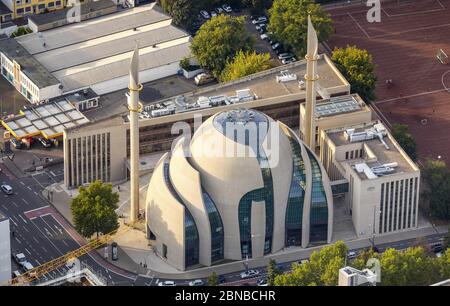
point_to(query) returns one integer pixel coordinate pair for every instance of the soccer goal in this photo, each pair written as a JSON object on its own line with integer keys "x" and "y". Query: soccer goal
{"x": 442, "y": 57}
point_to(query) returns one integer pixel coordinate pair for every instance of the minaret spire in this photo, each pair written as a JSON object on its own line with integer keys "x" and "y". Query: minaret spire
{"x": 311, "y": 77}
{"x": 134, "y": 107}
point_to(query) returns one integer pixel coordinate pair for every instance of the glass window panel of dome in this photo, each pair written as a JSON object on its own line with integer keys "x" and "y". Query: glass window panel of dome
{"x": 217, "y": 238}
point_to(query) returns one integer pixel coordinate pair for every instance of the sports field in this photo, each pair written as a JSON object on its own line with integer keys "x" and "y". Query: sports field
{"x": 404, "y": 46}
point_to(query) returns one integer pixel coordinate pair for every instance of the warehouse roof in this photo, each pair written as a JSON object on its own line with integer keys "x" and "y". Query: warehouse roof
{"x": 34, "y": 70}
{"x": 86, "y": 7}
{"x": 91, "y": 29}
{"x": 118, "y": 66}
{"x": 107, "y": 46}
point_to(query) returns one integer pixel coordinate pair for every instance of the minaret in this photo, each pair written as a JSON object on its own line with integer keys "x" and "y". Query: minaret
{"x": 311, "y": 77}
{"x": 134, "y": 107}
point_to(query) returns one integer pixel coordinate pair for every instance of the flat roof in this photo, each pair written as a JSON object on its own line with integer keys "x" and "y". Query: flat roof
{"x": 48, "y": 119}
{"x": 98, "y": 50}
{"x": 263, "y": 85}
{"x": 381, "y": 154}
{"x": 34, "y": 70}
{"x": 86, "y": 7}
{"x": 91, "y": 29}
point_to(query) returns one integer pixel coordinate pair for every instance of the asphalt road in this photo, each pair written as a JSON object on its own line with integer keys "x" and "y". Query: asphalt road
{"x": 42, "y": 234}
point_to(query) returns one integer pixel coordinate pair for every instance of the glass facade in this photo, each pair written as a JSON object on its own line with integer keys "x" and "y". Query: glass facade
{"x": 319, "y": 206}
{"x": 217, "y": 230}
{"x": 294, "y": 210}
{"x": 262, "y": 194}
{"x": 191, "y": 239}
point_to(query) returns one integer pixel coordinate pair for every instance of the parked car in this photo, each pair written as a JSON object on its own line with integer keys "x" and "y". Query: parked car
{"x": 16, "y": 143}
{"x": 203, "y": 78}
{"x": 285, "y": 55}
{"x": 276, "y": 46}
{"x": 437, "y": 248}
{"x": 197, "y": 282}
{"x": 259, "y": 20}
{"x": 45, "y": 142}
{"x": 227, "y": 8}
{"x": 205, "y": 14}
{"x": 27, "y": 266}
{"x": 280, "y": 50}
{"x": 260, "y": 25}
{"x": 7, "y": 189}
{"x": 249, "y": 274}
{"x": 288, "y": 60}
{"x": 16, "y": 274}
{"x": 213, "y": 14}
{"x": 221, "y": 279}
{"x": 19, "y": 258}
{"x": 262, "y": 282}
{"x": 262, "y": 30}
{"x": 167, "y": 283}
{"x": 264, "y": 36}
{"x": 219, "y": 10}
{"x": 352, "y": 255}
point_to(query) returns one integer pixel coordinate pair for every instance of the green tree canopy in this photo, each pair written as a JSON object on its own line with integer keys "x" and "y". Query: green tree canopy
{"x": 272, "y": 272}
{"x": 405, "y": 139}
{"x": 358, "y": 68}
{"x": 289, "y": 23}
{"x": 437, "y": 188}
{"x": 94, "y": 208}
{"x": 213, "y": 279}
{"x": 218, "y": 40}
{"x": 245, "y": 63}
{"x": 321, "y": 270}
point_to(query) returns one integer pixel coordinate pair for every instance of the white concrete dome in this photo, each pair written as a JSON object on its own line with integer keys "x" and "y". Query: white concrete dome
{"x": 242, "y": 187}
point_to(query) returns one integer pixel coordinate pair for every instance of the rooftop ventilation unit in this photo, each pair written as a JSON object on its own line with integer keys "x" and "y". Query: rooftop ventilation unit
{"x": 363, "y": 168}
{"x": 377, "y": 131}
{"x": 384, "y": 169}
{"x": 286, "y": 76}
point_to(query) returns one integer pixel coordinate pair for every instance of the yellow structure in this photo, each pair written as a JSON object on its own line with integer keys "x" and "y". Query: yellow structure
{"x": 21, "y": 8}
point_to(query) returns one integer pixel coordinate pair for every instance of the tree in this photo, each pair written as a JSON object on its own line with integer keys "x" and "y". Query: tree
{"x": 411, "y": 267}
{"x": 437, "y": 188}
{"x": 289, "y": 23}
{"x": 358, "y": 68}
{"x": 321, "y": 270}
{"x": 213, "y": 280}
{"x": 94, "y": 208}
{"x": 405, "y": 139}
{"x": 272, "y": 272}
{"x": 245, "y": 63}
{"x": 218, "y": 40}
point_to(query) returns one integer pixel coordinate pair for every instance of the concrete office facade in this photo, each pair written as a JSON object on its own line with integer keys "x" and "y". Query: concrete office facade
{"x": 276, "y": 201}
{"x": 383, "y": 182}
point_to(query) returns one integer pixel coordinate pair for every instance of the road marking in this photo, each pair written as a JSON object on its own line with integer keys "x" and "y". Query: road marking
{"x": 14, "y": 203}
{"x": 23, "y": 184}
{"x": 45, "y": 250}
{"x": 27, "y": 251}
{"x": 17, "y": 239}
{"x": 4, "y": 207}
{"x": 29, "y": 187}
{"x": 15, "y": 224}
{"x": 25, "y": 201}
{"x": 53, "y": 173}
{"x": 359, "y": 26}
{"x": 34, "y": 238}
{"x": 23, "y": 219}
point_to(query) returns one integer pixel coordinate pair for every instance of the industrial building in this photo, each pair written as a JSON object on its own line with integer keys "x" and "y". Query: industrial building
{"x": 94, "y": 54}
{"x": 281, "y": 194}
{"x": 5, "y": 250}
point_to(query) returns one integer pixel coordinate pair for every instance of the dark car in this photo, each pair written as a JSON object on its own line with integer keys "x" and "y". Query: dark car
{"x": 221, "y": 279}
{"x": 16, "y": 143}
{"x": 438, "y": 248}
